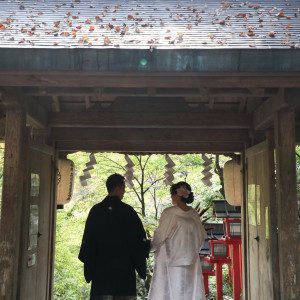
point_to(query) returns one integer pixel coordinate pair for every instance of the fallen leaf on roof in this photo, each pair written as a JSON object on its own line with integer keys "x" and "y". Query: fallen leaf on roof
{"x": 2, "y": 27}
{"x": 240, "y": 15}
{"x": 88, "y": 21}
{"x": 92, "y": 28}
{"x": 56, "y": 24}
{"x": 222, "y": 22}
{"x": 22, "y": 41}
{"x": 167, "y": 8}
{"x": 138, "y": 30}
{"x": 272, "y": 34}
{"x": 295, "y": 46}
{"x": 168, "y": 37}
{"x": 252, "y": 45}
{"x": 251, "y": 33}
{"x": 117, "y": 28}
{"x": 242, "y": 34}
{"x": 78, "y": 27}
{"x": 117, "y": 6}
{"x": 107, "y": 41}
{"x": 22, "y": 7}
{"x": 85, "y": 38}
{"x": 211, "y": 36}
{"x": 280, "y": 14}
{"x": 130, "y": 17}
{"x": 55, "y": 44}
{"x": 254, "y": 6}
{"x": 90, "y": 44}
{"x": 109, "y": 26}
{"x": 189, "y": 26}
{"x": 286, "y": 41}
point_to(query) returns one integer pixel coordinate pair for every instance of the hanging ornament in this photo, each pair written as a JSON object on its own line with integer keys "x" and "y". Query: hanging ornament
{"x": 206, "y": 172}
{"x": 129, "y": 172}
{"x": 170, "y": 171}
{"x": 86, "y": 172}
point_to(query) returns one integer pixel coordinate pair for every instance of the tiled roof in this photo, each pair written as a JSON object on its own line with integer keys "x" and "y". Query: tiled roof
{"x": 195, "y": 24}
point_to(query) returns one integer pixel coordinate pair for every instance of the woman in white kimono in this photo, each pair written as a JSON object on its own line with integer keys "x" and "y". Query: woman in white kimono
{"x": 177, "y": 242}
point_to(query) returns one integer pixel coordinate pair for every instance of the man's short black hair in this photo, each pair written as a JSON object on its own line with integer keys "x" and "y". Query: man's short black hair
{"x": 113, "y": 181}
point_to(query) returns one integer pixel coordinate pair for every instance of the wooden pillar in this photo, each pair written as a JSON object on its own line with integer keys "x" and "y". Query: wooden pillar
{"x": 286, "y": 190}
{"x": 273, "y": 215}
{"x": 11, "y": 212}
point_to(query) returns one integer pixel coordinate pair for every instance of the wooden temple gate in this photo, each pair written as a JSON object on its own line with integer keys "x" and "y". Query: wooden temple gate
{"x": 196, "y": 93}
{"x": 53, "y": 113}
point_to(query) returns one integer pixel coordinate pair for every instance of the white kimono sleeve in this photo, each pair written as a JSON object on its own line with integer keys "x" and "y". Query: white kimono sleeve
{"x": 164, "y": 230}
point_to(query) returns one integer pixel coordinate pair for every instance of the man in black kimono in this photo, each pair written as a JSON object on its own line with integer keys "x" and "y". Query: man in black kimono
{"x": 114, "y": 245}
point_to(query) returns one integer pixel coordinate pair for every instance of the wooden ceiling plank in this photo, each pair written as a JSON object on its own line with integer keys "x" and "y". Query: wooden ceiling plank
{"x": 150, "y": 119}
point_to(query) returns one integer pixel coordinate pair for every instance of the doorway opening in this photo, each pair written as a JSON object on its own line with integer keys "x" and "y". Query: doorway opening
{"x": 148, "y": 195}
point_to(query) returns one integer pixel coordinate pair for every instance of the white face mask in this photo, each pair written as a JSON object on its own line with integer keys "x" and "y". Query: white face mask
{"x": 183, "y": 192}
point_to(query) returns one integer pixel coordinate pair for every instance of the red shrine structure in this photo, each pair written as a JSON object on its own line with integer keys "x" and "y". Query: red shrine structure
{"x": 225, "y": 247}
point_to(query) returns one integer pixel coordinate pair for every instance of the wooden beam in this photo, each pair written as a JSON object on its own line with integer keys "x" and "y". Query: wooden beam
{"x": 273, "y": 211}
{"x": 12, "y": 200}
{"x": 287, "y": 208}
{"x": 149, "y": 147}
{"x": 151, "y": 79}
{"x": 285, "y": 99}
{"x": 10, "y": 97}
{"x": 150, "y": 120}
{"x": 142, "y": 134}
{"x": 36, "y": 114}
